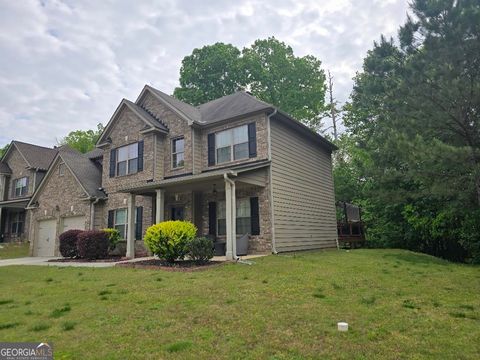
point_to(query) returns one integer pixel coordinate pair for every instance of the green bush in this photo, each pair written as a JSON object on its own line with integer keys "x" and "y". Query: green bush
{"x": 113, "y": 236}
{"x": 169, "y": 240}
{"x": 200, "y": 249}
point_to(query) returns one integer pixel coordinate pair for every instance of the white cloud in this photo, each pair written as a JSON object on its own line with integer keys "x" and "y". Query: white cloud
{"x": 65, "y": 65}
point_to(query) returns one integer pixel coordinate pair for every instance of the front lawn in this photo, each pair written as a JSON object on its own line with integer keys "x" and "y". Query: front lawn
{"x": 13, "y": 250}
{"x": 399, "y": 305}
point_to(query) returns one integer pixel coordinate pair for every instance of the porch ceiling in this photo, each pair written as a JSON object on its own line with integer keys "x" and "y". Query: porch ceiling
{"x": 15, "y": 204}
{"x": 203, "y": 181}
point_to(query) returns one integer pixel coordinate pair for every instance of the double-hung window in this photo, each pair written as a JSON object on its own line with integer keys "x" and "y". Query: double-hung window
{"x": 232, "y": 144}
{"x": 18, "y": 221}
{"x": 243, "y": 220}
{"x": 20, "y": 187}
{"x": 120, "y": 222}
{"x": 127, "y": 159}
{"x": 178, "y": 152}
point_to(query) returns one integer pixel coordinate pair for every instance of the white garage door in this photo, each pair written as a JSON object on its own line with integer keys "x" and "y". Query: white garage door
{"x": 74, "y": 222}
{"x": 46, "y": 237}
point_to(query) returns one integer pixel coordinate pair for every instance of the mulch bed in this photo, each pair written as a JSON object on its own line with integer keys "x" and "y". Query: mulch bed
{"x": 156, "y": 264}
{"x": 109, "y": 259}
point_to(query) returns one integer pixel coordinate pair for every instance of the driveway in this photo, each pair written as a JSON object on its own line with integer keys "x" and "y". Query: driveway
{"x": 44, "y": 261}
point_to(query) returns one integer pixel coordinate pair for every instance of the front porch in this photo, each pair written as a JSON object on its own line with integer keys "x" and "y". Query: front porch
{"x": 228, "y": 206}
{"x": 13, "y": 220}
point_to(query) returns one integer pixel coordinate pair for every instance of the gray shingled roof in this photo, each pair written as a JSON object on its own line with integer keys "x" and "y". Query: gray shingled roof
{"x": 84, "y": 169}
{"x": 36, "y": 156}
{"x": 4, "y": 168}
{"x": 230, "y": 106}
{"x": 187, "y": 110}
{"x": 94, "y": 154}
{"x": 146, "y": 115}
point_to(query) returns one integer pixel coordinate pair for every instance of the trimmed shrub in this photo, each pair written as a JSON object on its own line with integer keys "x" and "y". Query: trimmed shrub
{"x": 68, "y": 243}
{"x": 92, "y": 244}
{"x": 200, "y": 249}
{"x": 113, "y": 236}
{"x": 169, "y": 240}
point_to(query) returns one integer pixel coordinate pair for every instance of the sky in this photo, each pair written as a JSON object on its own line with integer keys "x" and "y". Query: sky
{"x": 66, "y": 65}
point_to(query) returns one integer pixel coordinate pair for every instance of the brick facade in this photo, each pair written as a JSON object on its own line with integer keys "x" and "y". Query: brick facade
{"x": 59, "y": 198}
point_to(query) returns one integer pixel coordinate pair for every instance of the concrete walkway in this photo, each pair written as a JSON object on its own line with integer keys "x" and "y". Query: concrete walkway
{"x": 43, "y": 261}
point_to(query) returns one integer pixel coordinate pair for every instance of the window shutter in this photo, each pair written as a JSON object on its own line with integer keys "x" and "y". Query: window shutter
{"x": 26, "y": 185}
{"x": 255, "y": 216}
{"x": 138, "y": 225}
{"x": 140, "y": 155}
{"x": 212, "y": 218}
{"x": 211, "y": 149}
{"x": 111, "y": 214}
{"x": 252, "y": 140}
{"x": 113, "y": 162}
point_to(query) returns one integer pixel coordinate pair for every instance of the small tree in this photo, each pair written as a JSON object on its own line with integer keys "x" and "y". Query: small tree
{"x": 169, "y": 240}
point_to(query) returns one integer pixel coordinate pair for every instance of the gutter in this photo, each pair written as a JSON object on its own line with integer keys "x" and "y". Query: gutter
{"x": 272, "y": 215}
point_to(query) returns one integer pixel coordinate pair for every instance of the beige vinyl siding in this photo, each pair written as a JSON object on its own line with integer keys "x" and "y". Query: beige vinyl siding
{"x": 303, "y": 194}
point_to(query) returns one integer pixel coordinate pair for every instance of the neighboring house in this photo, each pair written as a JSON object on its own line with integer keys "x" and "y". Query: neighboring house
{"x": 22, "y": 169}
{"x": 232, "y": 166}
{"x": 68, "y": 198}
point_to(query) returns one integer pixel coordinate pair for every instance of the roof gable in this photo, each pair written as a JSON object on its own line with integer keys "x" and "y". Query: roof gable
{"x": 151, "y": 122}
{"x": 87, "y": 175}
{"x": 36, "y": 157}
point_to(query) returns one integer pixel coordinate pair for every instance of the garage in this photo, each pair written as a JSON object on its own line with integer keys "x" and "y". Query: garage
{"x": 73, "y": 222}
{"x": 47, "y": 230}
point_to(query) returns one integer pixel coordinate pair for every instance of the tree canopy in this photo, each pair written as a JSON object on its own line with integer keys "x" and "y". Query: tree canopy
{"x": 3, "y": 150}
{"x": 82, "y": 140}
{"x": 268, "y": 68}
{"x": 413, "y": 149}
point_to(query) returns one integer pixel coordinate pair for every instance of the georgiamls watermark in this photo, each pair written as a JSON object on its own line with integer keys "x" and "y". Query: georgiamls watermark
{"x": 26, "y": 351}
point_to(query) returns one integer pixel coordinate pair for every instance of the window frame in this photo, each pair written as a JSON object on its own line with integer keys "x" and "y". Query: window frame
{"x": 127, "y": 161}
{"x": 18, "y": 218}
{"x": 224, "y": 216}
{"x": 115, "y": 224}
{"x": 177, "y": 152}
{"x": 15, "y": 187}
{"x": 231, "y": 145}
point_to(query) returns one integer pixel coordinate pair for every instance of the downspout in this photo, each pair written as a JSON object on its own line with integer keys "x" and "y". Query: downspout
{"x": 272, "y": 215}
{"x": 92, "y": 212}
{"x": 233, "y": 215}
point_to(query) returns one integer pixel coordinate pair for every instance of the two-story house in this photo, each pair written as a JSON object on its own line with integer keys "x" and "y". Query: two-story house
{"x": 235, "y": 167}
{"x": 22, "y": 169}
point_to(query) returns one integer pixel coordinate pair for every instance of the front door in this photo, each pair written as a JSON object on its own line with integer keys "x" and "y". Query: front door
{"x": 178, "y": 213}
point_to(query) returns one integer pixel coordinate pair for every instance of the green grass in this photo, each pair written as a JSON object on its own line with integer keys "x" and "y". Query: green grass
{"x": 13, "y": 250}
{"x": 282, "y": 307}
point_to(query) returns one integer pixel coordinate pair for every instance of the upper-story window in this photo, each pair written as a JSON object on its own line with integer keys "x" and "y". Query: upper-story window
{"x": 232, "y": 144}
{"x": 127, "y": 159}
{"x": 178, "y": 152}
{"x": 20, "y": 187}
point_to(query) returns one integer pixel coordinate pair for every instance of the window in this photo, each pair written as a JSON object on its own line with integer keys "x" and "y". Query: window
{"x": 61, "y": 169}
{"x": 178, "y": 153}
{"x": 18, "y": 220}
{"x": 20, "y": 187}
{"x": 178, "y": 213}
{"x": 232, "y": 144}
{"x": 120, "y": 222}
{"x": 127, "y": 159}
{"x": 243, "y": 217}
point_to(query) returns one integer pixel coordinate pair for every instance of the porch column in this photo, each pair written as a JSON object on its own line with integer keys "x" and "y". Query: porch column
{"x": 131, "y": 226}
{"x": 160, "y": 206}
{"x": 230, "y": 209}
